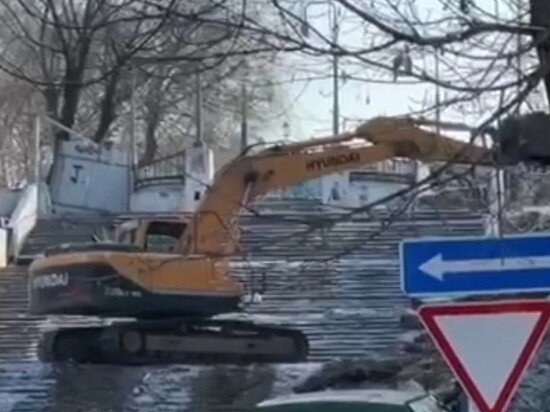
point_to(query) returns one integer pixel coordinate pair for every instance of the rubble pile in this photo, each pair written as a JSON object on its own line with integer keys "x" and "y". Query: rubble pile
{"x": 413, "y": 361}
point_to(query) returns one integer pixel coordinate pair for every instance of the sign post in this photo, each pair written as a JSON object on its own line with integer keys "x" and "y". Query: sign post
{"x": 472, "y": 265}
{"x": 487, "y": 345}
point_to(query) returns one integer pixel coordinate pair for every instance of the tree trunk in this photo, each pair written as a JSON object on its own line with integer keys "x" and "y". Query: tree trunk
{"x": 153, "y": 119}
{"x": 540, "y": 16}
{"x": 153, "y": 116}
{"x": 71, "y": 95}
{"x": 51, "y": 96}
{"x": 72, "y": 87}
{"x": 107, "y": 108}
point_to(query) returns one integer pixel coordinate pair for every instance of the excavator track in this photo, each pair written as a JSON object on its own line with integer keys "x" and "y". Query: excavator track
{"x": 175, "y": 341}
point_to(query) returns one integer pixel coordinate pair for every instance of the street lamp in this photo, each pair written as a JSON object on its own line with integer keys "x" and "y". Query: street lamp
{"x": 286, "y": 130}
{"x": 244, "y": 106}
{"x": 437, "y": 93}
{"x": 335, "y": 29}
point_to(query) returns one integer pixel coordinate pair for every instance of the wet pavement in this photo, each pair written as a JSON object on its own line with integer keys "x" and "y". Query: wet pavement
{"x": 348, "y": 307}
{"x": 31, "y": 386}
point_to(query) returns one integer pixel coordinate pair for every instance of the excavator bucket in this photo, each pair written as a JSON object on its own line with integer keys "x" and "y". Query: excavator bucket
{"x": 524, "y": 138}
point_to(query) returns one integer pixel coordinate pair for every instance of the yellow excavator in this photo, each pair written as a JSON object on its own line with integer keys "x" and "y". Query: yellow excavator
{"x": 172, "y": 297}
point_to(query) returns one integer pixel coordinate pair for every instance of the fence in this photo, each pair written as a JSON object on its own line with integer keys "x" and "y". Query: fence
{"x": 170, "y": 169}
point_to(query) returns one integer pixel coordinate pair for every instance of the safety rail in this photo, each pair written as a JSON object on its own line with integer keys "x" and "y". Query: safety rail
{"x": 392, "y": 166}
{"x": 166, "y": 170}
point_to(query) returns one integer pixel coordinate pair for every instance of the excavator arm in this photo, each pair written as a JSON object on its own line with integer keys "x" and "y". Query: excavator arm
{"x": 249, "y": 177}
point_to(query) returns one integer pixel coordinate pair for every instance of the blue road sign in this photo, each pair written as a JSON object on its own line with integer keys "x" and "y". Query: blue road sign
{"x": 475, "y": 265}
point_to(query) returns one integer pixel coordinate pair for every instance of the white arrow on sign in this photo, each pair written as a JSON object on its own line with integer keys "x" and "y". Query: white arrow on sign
{"x": 437, "y": 268}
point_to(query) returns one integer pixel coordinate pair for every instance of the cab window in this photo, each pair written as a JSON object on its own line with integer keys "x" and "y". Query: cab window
{"x": 163, "y": 237}
{"x": 161, "y": 243}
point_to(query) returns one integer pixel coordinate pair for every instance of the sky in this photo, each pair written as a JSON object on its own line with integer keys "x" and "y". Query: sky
{"x": 308, "y": 108}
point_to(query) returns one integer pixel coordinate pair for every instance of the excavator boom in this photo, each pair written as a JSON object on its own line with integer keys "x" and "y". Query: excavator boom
{"x": 246, "y": 178}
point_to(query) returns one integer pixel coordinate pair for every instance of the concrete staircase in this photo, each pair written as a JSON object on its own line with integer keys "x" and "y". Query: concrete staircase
{"x": 339, "y": 283}
{"x": 18, "y": 330}
{"x": 56, "y": 230}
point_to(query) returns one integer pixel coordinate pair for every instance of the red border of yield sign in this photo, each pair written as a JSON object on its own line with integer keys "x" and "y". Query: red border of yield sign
{"x": 428, "y": 313}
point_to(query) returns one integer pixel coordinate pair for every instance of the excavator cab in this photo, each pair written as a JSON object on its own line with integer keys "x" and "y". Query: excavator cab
{"x": 163, "y": 236}
{"x": 152, "y": 235}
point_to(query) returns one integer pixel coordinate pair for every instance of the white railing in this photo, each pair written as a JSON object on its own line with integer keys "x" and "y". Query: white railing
{"x": 33, "y": 203}
{"x": 392, "y": 166}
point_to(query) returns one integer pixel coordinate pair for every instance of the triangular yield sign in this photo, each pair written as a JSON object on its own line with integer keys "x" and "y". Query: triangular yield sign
{"x": 488, "y": 345}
